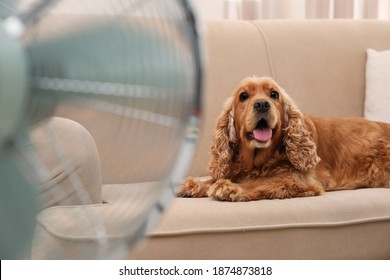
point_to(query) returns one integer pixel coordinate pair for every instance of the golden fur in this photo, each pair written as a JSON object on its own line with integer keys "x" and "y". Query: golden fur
{"x": 305, "y": 156}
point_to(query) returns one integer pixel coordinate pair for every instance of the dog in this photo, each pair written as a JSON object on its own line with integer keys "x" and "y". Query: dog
{"x": 265, "y": 148}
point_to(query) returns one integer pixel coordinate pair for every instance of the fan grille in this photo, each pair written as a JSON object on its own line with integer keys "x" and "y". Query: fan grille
{"x": 130, "y": 73}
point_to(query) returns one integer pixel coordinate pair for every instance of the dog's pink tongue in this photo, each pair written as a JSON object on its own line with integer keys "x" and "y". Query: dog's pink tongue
{"x": 262, "y": 134}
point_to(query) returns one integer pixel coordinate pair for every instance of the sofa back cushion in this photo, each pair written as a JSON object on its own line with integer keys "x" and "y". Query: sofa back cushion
{"x": 320, "y": 63}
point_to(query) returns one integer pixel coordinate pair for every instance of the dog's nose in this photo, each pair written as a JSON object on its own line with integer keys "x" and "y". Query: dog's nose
{"x": 261, "y": 105}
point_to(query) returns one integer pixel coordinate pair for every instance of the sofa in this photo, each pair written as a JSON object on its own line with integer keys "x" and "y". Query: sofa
{"x": 322, "y": 65}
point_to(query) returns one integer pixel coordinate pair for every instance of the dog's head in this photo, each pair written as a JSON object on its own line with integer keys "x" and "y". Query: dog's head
{"x": 258, "y": 119}
{"x": 257, "y": 105}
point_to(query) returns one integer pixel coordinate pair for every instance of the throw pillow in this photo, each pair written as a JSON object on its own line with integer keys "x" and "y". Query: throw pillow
{"x": 377, "y": 102}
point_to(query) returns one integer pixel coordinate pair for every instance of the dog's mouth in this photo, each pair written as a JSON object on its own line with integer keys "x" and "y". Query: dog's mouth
{"x": 262, "y": 132}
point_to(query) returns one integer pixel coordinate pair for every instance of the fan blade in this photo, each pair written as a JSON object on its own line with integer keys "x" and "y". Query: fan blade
{"x": 7, "y": 8}
{"x": 18, "y": 209}
{"x": 13, "y": 84}
{"x": 86, "y": 67}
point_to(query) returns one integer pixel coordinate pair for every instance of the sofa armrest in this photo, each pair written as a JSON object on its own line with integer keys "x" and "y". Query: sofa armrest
{"x": 66, "y": 163}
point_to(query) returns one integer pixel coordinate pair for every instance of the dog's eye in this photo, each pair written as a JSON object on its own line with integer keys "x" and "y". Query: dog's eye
{"x": 274, "y": 94}
{"x": 244, "y": 96}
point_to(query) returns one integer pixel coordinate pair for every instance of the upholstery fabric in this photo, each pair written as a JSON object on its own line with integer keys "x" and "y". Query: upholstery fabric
{"x": 94, "y": 231}
{"x": 62, "y": 166}
{"x": 336, "y": 225}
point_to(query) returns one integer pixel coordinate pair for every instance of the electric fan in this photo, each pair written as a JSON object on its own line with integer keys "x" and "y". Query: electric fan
{"x": 99, "y": 108}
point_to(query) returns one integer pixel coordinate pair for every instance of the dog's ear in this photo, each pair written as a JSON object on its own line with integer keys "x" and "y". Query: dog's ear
{"x": 224, "y": 143}
{"x": 301, "y": 149}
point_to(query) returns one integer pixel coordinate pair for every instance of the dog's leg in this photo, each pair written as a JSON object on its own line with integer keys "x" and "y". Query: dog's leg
{"x": 192, "y": 187}
{"x": 264, "y": 188}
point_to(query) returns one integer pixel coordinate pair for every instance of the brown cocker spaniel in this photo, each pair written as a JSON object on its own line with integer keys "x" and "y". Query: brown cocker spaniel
{"x": 265, "y": 148}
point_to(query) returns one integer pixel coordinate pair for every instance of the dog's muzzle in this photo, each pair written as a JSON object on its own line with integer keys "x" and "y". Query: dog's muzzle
{"x": 262, "y": 132}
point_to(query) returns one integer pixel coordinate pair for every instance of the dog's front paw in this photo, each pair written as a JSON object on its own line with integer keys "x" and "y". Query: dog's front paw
{"x": 226, "y": 190}
{"x": 192, "y": 188}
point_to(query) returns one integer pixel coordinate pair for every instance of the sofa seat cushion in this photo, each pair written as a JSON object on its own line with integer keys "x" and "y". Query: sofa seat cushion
{"x": 335, "y": 225}
{"x": 95, "y": 231}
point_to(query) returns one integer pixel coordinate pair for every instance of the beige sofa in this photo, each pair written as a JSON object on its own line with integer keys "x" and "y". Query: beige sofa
{"x": 321, "y": 64}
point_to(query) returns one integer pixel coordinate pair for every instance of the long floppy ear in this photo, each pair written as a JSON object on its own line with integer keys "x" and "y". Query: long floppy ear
{"x": 224, "y": 143}
{"x": 301, "y": 149}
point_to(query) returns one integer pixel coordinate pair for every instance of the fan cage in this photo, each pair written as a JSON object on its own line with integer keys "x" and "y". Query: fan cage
{"x": 130, "y": 72}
